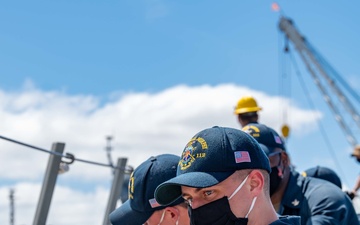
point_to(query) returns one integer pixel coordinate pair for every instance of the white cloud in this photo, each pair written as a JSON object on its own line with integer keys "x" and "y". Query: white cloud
{"x": 68, "y": 206}
{"x": 142, "y": 124}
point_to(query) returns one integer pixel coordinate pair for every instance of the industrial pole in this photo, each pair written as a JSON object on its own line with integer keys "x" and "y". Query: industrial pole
{"x": 48, "y": 186}
{"x": 12, "y": 207}
{"x": 108, "y": 150}
{"x": 115, "y": 188}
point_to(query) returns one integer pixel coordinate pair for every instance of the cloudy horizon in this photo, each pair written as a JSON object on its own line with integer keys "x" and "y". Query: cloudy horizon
{"x": 141, "y": 124}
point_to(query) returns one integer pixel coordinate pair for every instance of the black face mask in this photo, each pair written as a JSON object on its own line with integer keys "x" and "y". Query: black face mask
{"x": 275, "y": 179}
{"x": 215, "y": 213}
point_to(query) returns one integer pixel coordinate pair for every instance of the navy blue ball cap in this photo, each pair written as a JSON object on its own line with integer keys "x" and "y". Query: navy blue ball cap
{"x": 125, "y": 214}
{"x": 267, "y": 137}
{"x": 142, "y": 184}
{"x": 323, "y": 173}
{"x": 210, "y": 157}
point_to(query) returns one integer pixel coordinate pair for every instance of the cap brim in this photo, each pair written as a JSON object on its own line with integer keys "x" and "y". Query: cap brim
{"x": 269, "y": 151}
{"x": 169, "y": 191}
{"x": 126, "y": 215}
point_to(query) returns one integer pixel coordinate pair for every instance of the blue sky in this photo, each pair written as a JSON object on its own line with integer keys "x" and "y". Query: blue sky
{"x": 152, "y": 73}
{"x": 100, "y": 47}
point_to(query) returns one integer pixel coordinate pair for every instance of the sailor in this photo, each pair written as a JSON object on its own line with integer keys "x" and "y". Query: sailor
{"x": 356, "y": 154}
{"x": 324, "y": 173}
{"x": 223, "y": 175}
{"x": 141, "y": 207}
{"x": 246, "y": 110}
{"x": 316, "y": 201}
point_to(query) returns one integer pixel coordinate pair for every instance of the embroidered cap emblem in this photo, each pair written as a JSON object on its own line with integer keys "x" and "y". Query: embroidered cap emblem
{"x": 193, "y": 150}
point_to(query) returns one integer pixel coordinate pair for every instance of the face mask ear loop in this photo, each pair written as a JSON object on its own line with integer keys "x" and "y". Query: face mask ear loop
{"x": 281, "y": 171}
{"x": 162, "y": 217}
{"x": 177, "y": 221}
{"x": 251, "y": 207}
{"x": 238, "y": 188}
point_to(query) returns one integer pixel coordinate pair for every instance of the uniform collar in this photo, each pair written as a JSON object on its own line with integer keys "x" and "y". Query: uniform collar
{"x": 293, "y": 196}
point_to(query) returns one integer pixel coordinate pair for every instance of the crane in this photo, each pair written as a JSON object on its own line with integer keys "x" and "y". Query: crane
{"x": 329, "y": 82}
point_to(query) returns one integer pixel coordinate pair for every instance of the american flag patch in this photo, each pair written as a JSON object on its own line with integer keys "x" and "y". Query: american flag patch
{"x": 278, "y": 139}
{"x": 242, "y": 156}
{"x": 153, "y": 203}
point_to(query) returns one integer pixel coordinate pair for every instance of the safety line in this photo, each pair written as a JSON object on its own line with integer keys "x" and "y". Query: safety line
{"x": 127, "y": 169}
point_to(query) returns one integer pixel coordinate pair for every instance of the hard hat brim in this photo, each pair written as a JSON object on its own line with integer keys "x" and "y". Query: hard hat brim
{"x": 247, "y": 110}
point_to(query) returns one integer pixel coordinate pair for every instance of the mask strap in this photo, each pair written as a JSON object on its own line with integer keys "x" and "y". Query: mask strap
{"x": 177, "y": 221}
{"x": 162, "y": 217}
{"x": 238, "y": 188}
{"x": 251, "y": 207}
{"x": 280, "y": 171}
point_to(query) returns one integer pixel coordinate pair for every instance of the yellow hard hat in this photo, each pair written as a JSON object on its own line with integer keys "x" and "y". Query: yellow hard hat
{"x": 246, "y": 104}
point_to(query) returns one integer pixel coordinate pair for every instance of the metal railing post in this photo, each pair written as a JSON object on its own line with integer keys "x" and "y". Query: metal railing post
{"x": 115, "y": 189}
{"x": 48, "y": 186}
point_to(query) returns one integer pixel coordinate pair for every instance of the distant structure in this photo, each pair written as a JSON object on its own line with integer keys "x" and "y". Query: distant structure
{"x": 12, "y": 207}
{"x": 124, "y": 190}
{"x": 108, "y": 150}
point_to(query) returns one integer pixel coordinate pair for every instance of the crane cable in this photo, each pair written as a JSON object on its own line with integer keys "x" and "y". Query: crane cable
{"x": 336, "y": 75}
{"x": 312, "y": 105}
{"x": 284, "y": 87}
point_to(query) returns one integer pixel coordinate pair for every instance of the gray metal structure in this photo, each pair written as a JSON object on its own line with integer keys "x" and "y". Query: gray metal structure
{"x": 48, "y": 185}
{"x": 12, "y": 207}
{"x": 319, "y": 69}
{"x": 108, "y": 150}
{"x": 115, "y": 188}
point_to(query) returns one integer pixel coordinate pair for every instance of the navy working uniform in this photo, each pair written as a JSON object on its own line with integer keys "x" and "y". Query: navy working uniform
{"x": 316, "y": 202}
{"x": 286, "y": 220}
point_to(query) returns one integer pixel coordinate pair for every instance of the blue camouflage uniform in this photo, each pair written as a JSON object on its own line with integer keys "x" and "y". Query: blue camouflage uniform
{"x": 317, "y": 202}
